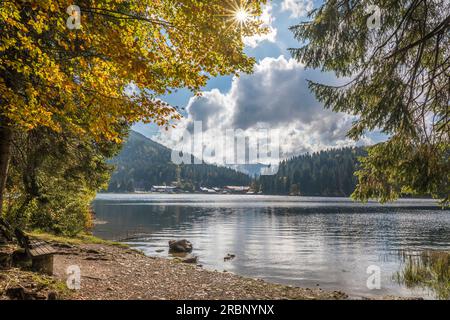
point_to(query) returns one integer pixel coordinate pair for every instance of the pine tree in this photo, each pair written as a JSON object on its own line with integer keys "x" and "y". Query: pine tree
{"x": 400, "y": 83}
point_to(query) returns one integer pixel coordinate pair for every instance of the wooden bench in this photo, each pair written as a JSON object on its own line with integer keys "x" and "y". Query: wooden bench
{"x": 40, "y": 252}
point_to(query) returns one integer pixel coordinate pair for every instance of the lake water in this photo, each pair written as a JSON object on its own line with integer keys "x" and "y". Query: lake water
{"x": 304, "y": 241}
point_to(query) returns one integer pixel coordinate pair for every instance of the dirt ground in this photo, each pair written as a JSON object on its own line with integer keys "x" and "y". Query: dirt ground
{"x": 112, "y": 272}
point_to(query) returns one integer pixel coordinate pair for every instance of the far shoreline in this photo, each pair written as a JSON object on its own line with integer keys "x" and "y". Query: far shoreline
{"x": 401, "y": 203}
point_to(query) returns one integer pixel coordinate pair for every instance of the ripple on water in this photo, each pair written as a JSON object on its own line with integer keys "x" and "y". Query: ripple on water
{"x": 301, "y": 241}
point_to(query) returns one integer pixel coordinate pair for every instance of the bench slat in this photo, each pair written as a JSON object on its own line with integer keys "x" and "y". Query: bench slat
{"x": 34, "y": 247}
{"x": 41, "y": 249}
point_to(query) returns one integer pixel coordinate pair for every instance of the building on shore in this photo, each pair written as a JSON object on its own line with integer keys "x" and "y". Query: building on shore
{"x": 164, "y": 189}
{"x": 237, "y": 189}
{"x": 227, "y": 189}
{"x": 208, "y": 190}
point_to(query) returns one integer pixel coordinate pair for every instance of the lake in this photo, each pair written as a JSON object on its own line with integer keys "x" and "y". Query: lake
{"x": 304, "y": 241}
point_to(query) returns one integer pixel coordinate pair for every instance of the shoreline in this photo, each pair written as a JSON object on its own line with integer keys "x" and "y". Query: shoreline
{"x": 110, "y": 271}
{"x": 429, "y": 199}
{"x": 114, "y": 272}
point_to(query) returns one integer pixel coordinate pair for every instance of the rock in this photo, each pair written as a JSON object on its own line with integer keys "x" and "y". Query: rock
{"x": 180, "y": 246}
{"x": 229, "y": 257}
{"x": 39, "y": 296}
{"x": 52, "y": 295}
{"x": 96, "y": 258}
{"x": 67, "y": 253}
{"x": 159, "y": 250}
{"x": 20, "y": 293}
{"x": 93, "y": 251}
{"x": 190, "y": 259}
{"x": 63, "y": 245}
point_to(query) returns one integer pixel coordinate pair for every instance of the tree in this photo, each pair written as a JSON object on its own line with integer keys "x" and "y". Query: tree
{"x": 325, "y": 173}
{"x": 399, "y": 83}
{"x": 113, "y": 69}
{"x": 53, "y": 179}
{"x": 148, "y": 163}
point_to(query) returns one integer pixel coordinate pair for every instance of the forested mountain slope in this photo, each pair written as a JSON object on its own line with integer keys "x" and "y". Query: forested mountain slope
{"x": 144, "y": 162}
{"x": 326, "y": 173}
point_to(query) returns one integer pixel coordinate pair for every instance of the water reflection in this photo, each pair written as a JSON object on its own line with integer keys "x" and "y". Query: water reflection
{"x": 301, "y": 241}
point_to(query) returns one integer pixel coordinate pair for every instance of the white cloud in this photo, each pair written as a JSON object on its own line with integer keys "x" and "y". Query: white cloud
{"x": 275, "y": 96}
{"x": 298, "y": 8}
{"x": 267, "y": 20}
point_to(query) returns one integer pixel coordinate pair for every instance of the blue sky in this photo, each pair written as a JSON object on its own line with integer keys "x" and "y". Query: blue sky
{"x": 274, "y": 96}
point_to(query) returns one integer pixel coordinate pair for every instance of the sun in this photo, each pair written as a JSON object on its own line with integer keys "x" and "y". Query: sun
{"x": 242, "y": 16}
{"x": 239, "y": 13}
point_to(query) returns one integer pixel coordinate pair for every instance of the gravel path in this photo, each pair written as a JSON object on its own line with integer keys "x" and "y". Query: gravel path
{"x": 113, "y": 272}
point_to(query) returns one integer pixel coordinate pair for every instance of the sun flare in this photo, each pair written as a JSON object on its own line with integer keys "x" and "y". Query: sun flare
{"x": 239, "y": 13}
{"x": 242, "y": 16}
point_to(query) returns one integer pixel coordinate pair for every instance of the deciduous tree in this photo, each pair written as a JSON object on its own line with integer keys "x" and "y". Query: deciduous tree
{"x": 112, "y": 69}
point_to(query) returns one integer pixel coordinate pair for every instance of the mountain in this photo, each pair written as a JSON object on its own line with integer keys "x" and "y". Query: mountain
{"x": 325, "y": 173}
{"x": 253, "y": 170}
{"x": 143, "y": 163}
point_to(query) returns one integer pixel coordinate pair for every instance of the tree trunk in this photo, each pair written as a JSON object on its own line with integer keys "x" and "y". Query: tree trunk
{"x": 5, "y": 155}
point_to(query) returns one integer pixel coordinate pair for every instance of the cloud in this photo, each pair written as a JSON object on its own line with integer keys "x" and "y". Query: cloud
{"x": 267, "y": 20}
{"x": 275, "y": 97}
{"x": 298, "y": 8}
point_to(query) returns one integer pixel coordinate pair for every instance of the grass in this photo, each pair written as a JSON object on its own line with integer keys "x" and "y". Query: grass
{"x": 16, "y": 277}
{"x": 52, "y": 284}
{"x": 81, "y": 238}
{"x": 427, "y": 269}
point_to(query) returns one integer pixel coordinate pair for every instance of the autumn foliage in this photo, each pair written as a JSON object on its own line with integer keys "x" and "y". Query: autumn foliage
{"x": 113, "y": 70}
{"x": 125, "y": 55}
